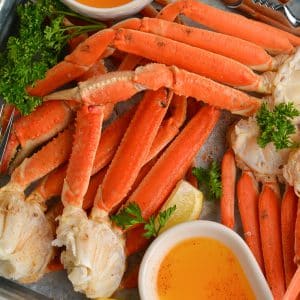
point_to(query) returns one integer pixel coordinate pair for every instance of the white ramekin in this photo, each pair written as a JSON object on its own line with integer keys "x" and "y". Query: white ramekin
{"x": 117, "y": 12}
{"x": 167, "y": 240}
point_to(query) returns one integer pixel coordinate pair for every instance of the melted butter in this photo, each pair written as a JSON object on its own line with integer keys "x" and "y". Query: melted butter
{"x": 202, "y": 268}
{"x": 104, "y": 3}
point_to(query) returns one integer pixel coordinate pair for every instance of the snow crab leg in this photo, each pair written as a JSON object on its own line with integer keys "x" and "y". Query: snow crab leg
{"x": 272, "y": 39}
{"x": 293, "y": 290}
{"x": 165, "y": 40}
{"x": 169, "y": 127}
{"x": 86, "y": 232}
{"x": 134, "y": 148}
{"x": 44, "y": 123}
{"x": 99, "y": 90}
{"x": 269, "y": 221}
{"x": 288, "y": 224}
{"x": 248, "y": 195}
{"x": 237, "y": 49}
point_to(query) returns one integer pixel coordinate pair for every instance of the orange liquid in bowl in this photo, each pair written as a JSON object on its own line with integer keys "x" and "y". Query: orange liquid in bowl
{"x": 104, "y": 3}
{"x": 202, "y": 268}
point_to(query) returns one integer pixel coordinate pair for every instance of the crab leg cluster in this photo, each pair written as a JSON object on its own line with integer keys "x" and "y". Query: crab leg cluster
{"x": 26, "y": 233}
{"x": 269, "y": 223}
{"x": 99, "y": 90}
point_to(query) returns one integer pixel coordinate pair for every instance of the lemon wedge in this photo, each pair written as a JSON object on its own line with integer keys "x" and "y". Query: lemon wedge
{"x": 188, "y": 201}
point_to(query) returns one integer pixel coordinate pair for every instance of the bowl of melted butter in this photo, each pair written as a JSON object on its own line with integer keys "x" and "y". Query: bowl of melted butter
{"x": 106, "y": 9}
{"x": 201, "y": 260}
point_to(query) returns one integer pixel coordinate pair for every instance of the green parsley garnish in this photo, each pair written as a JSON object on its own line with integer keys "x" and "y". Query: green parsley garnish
{"x": 209, "y": 181}
{"x": 39, "y": 45}
{"x": 276, "y": 125}
{"x": 131, "y": 215}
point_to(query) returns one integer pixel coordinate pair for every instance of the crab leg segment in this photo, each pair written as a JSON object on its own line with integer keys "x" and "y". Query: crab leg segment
{"x": 270, "y": 232}
{"x": 288, "y": 222}
{"x": 228, "y": 171}
{"x": 44, "y": 123}
{"x": 174, "y": 162}
{"x": 248, "y": 195}
{"x": 52, "y": 185}
{"x": 129, "y": 62}
{"x": 44, "y": 161}
{"x": 75, "y": 64}
{"x": 97, "y": 69}
{"x": 297, "y": 236}
{"x": 93, "y": 255}
{"x": 102, "y": 89}
{"x": 271, "y": 39}
{"x": 95, "y": 181}
{"x": 110, "y": 140}
{"x": 169, "y": 52}
{"x": 240, "y": 50}
{"x": 169, "y": 127}
{"x": 133, "y": 150}
{"x": 293, "y": 291}
{"x": 49, "y": 187}
{"x": 87, "y": 136}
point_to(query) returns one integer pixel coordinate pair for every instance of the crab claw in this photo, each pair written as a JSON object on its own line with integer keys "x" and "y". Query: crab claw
{"x": 25, "y": 237}
{"x": 94, "y": 255}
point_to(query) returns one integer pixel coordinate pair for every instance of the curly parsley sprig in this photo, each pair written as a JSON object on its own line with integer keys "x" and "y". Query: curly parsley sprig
{"x": 38, "y": 45}
{"x": 276, "y": 125}
{"x": 131, "y": 215}
{"x": 209, "y": 181}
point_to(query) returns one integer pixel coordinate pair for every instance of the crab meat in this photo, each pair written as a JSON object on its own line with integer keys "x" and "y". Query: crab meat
{"x": 266, "y": 162}
{"x": 94, "y": 255}
{"x": 291, "y": 171}
{"x": 26, "y": 235}
{"x": 286, "y": 82}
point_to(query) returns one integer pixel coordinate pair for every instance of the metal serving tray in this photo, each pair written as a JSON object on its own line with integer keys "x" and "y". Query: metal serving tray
{"x": 56, "y": 285}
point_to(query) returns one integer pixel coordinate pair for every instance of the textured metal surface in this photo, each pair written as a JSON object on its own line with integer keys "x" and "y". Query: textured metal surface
{"x": 56, "y": 285}
{"x": 290, "y": 10}
{"x": 285, "y": 16}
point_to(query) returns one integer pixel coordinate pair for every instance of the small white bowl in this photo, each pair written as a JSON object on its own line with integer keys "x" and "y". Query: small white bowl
{"x": 167, "y": 240}
{"x": 103, "y": 14}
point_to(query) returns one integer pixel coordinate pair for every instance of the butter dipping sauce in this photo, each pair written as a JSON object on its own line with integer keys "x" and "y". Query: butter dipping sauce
{"x": 201, "y": 260}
